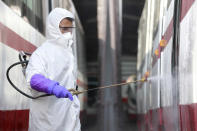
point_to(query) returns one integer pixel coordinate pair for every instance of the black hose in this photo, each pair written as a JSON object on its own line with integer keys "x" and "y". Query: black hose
{"x": 15, "y": 87}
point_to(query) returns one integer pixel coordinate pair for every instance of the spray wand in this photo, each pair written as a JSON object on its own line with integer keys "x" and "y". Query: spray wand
{"x": 75, "y": 92}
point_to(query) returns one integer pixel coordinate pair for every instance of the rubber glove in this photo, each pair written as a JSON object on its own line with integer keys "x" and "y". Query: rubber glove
{"x": 40, "y": 83}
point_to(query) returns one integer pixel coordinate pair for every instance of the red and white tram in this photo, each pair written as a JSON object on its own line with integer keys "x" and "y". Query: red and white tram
{"x": 22, "y": 29}
{"x": 167, "y": 50}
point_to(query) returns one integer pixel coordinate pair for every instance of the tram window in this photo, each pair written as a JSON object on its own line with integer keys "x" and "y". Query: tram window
{"x": 156, "y": 15}
{"x": 169, "y": 1}
{"x": 29, "y": 10}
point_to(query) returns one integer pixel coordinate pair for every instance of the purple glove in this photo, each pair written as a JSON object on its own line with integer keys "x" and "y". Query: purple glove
{"x": 40, "y": 83}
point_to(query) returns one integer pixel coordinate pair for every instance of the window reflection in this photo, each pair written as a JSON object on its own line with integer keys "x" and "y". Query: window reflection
{"x": 29, "y": 10}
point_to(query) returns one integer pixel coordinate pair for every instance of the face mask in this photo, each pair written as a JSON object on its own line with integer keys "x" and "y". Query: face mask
{"x": 67, "y": 36}
{"x": 66, "y": 39}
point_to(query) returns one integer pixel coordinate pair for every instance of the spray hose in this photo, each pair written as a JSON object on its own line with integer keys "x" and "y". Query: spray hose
{"x": 23, "y": 62}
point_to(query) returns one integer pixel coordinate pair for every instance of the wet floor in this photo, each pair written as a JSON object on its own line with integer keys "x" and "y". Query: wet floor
{"x": 91, "y": 124}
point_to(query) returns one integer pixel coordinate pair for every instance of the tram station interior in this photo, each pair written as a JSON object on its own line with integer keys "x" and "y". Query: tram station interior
{"x": 135, "y": 62}
{"x": 130, "y": 11}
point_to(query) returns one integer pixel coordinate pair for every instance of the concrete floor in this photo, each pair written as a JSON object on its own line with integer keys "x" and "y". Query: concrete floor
{"x": 90, "y": 124}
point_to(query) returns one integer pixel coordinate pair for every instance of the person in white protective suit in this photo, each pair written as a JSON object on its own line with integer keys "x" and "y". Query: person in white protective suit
{"x": 51, "y": 70}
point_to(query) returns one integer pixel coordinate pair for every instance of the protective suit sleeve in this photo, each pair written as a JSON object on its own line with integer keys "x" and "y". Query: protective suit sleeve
{"x": 40, "y": 83}
{"x": 36, "y": 65}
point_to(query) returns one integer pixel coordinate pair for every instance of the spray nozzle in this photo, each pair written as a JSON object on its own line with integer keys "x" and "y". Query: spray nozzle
{"x": 146, "y": 75}
{"x": 143, "y": 79}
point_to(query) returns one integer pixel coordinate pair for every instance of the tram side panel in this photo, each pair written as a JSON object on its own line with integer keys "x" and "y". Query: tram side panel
{"x": 188, "y": 66}
{"x": 14, "y": 107}
{"x": 159, "y": 96}
{"x": 172, "y": 108}
{"x": 169, "y": 95}
{"x": 140, "y": 92}
{"x": 140, "y": 60}
{"x": 149, "y": 109}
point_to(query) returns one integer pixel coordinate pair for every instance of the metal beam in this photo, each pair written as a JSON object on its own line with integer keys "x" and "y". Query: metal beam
{"x": 109, "y": 34}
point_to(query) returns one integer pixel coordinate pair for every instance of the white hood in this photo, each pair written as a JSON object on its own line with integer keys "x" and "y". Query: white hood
{"x": 53, "y": 21}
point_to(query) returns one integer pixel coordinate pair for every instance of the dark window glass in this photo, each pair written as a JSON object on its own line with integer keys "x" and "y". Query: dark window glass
{"x": 29, "y": 10}
{"x": 50, "y": 5}
{"x": 169, "y": 2}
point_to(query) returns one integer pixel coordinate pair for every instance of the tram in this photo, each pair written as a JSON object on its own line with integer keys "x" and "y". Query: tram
{"x": 167, "y": 50}
{"x": 22, "y": 28}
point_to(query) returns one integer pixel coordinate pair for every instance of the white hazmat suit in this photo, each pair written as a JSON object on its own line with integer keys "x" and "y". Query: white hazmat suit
{"x": 54, "y": 59}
